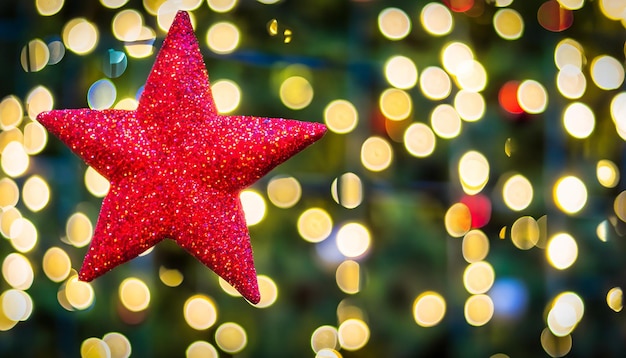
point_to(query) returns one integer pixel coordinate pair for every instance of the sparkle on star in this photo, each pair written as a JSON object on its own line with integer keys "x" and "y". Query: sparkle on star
{"x": 176, "y": 166}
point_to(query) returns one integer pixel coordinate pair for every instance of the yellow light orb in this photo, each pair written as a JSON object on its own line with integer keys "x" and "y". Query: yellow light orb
{"x": 142, "y": 46}
{"x": 296, "y": 92}
{"x": 324, "y": 337}
{"x": 394, "y": 23}
{"x": 253, "y": 205}
{"x": 571, "y": 82}
{"x": 80, "y": 36}
{"x": 555, "y": 346}
{"x": 473, "y": 172}
{"x": 94, "y": 348}
{"x": 35, "y": 56}
{"x": 315, "y": 225}
{"x": 401, "y": 72}
{"x": 35, "y": 138}
{"x": 35, "y": 193}
{"x": 469, "y": 105}
{"x": 223, "y": 37}
{"x": 525, "y": 233}
{"x": 579, "y": 120}
{"x": 353, "y": 240}
{"x": 201, "y": 349}
{"x": 478, "y": 277}
{"x": 435, "y": 83}
{"x": 471, "y": 76}
{"x": 568, "y": 52}
{"x": 517, "y": 192}
{"x": 395, "y": 104}
{"x": 284, "y": 191}
{"x": 11, "y": 112}
{"x": 118, "y": 344}
{"x": 436, "y": 19}
{"x": 79, "y": 294}
{"x": 458, "y": 220}
{"x": 478, "y": 310}
{"x": 222, "y": 6}
{"x": 508, "y": 24}
{"x": 134, "y": 294}
{"x": 606, "y": 171}
{"x": 353, "y": 334}
{"x": 532, "y": 96}
{"x": 607, "y": 72}
{"x": 445, "y": 121}
{"x": 56, "y": 264}
{"x": 9, "y": 194}
{"x": 268, "y": 290}
{"x": 347, "y": 190}
{"x": 454, "y": 54}
{"x": 200, "y": 312}
{"x": 562, "y": 251}
{"x": 79, "y": 229}
{"x": 475, "y": 246}
{"x": 49, "y": 7}
{"x": 127, "y": 25}
{"x": 96, "y": 184}
{"x": 227, "y": 95}
{"x": 17, "y": 271}
{"x": 614, "y": 299}
{"x": 348, "y": 277}
{"x": 341, "y": 116}
{"x": 429, "y": 308}
{"x": 38, "y": 100}
{"x": 419, "y": 140}
{"x": 376, "y": 154}
{"x": 23, "y": 235}
{"x": 571, "y": 4}
{"x": 14, "y": 160}
{"x": 570, "y": 194}
{"x": 231, "y": 337}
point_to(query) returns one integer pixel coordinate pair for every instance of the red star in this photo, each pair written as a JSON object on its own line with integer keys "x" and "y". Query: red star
{"x": 176, "y": 166}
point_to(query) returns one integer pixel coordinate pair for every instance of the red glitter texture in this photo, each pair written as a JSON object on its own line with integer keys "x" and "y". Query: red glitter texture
{"x": 176, "y": 166}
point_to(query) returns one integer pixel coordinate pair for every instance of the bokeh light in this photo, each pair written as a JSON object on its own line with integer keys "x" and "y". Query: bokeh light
{"x": 127, "y": 24}
{"x": 17, "y": 271}
{"x": 324, "y": 337}
{"x": 253, "y": 205}
{"x": 395, "y": 104}
{"x": 79, "y": 229}
{"x": 555, "y": 346}
{"x": 475, "y": 246}
{"x": 9, "y": 194}
{"x": 579, "y": 120}
{"x": 35, "y": 56}
{"x": 14, "y": 159}
{"x": 79, "y": 294}
{"x": 376, "y": 154}
{"x": 101, "y": 94}
{"x": 231, "y": 337}
{"x": 394, "y": 23}
{"x": 565, "y": 313}
{"x": 268, "y": 290}
{"x": 296, "y": 92}
{"x": 143, "y": 46}
{"x": 568, "y": 52}
{"x": 170, "y": 277}
{"x": 353, "y": 240}
{"x": 525, "y": 233}
{"x": 284, "y": 191}
{"x": 478, "y": 310}
{"x": 35, "y": 193}
{"x": 471, "y": 76}
{"x": 419, "y": 140}
{"x": 222, "y": 6}
{"x": 227, "y": 95}
{"x": 56, "y": 264}
{"x": 606, "y": 171}
{"x": 469, "y": 105}
{"x": 571, "y": 82}
{"x": 80, "y": 36}
{"x": 401, "y": 72}
{"x": 458, "y": 220}
{"x": 478, "y": 277}
{"x": 315, "y": 225}
{"x": 429, "y": 308}
{"x": 38, "y": 100}
{"x": 200, "y": 312}
{"x": 11, "y": 112}
{"x": 347, "y": 276}
{"x": 134, "y": 294}
{"x": 562, "y": 251}
{"x": 35, "y": 138}
{"x": 94, "y": 347}
{"x": 553, "y": 17}
{"x": 607, "y": 72}
{"x": 95, "y": 183}
{"x": 435, "y": 83}
{"x": 201, "y": 349}
{"x": 347, "y": 190}
{"x": 508, "y": 24}
{"x": 223, "y": 37}
{"x": 517, "y": 192}
{"x": 532, "y": 96}
{"x": 118, "y": 344}
{"x": 353, "y": 334}
{"x": 49, "y": 7}
{"x": 341, "y": 116}
{"x": 570, "y": 194}
{"x": 614, "y": 299}
{"x": 23, "y": 235}
{"x": 473, "y": 172}
{"x": 445, "y": 121}
{"x": 454, "y": 54}
{"x": 436, "y": 19}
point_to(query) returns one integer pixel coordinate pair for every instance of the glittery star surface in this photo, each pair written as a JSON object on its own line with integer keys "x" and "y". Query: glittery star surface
{"x": 176, "y": 166}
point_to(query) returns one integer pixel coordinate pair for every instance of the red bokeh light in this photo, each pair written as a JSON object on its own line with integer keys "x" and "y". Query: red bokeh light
{"x": 479, "y": 206}
{"x": 507, "y": 96}
{"x": 553, "y": 17}
{"x": 459, "y": 5}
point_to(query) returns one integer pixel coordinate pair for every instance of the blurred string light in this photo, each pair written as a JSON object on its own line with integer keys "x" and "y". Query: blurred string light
{"x": 471, "y": 75}
{"x": 14, "y": 159}
{"x": 127, "y": 25}
{"x": 118, "y": 344}
{"x": 341, "y": 116}
{"x": 508, "y": 24}
{"x": 429, "y": 308}
{"x": 394, "y": 24}
{"x": 17, "y": 271}
{"x": 458, "y": 220}
{"x": 445, "y": 121}
{"x": 253, "y": 205}
{"x": 571, "y": 82}
{"x": 231, "y": 337}
{"x": 142, "y": 46}
{"x": 614, "y": 299}
{"x": 38, "y": 100}
{"x": 23, "y": 235}
{"x": 517, "y": 192}
{"x": 395, "y": 104}
{"x": 324, "y": 337}
{"x": 227, "y": 288}
{"x": 469, "y": 105}
{"x": 419, "y": 140}
{"x": 11, "y": 112}
{"x": 435, "y": 83}
{"x": 113, "y": 4}
{"x": 94, "y": 347}
{"x": 510, "y": 298}
{"x": 478, "y": 277}
{"x": 553, "y": 17}
{"x": 315, "y": 225}
{"x": 532, "y": 96}
{"x": 347, "y": 190}
{"x": 525, "y": 233}
{"x": 49, "y": 7}
{"x": 613, "y": 10}
{"x": 436, "y": 19}
{"x": 569, "y": 52}
{"x": 284, "y": 191}
{"x": 95, "y": 183}
{"x": 166, "y": 11}
{"x": 475, "y": 246}
{"x": 347, "y": 276}
{"x": 200, "y": 312}
{"x": 376, "y": 154}
{"x": 222, "y": 6}
{"x": 570, "y": 194}
{"x": 268, "y": 290}
{"x": 478, "y": 310}
{"x": 566, "y": 311}
{"x": 572, "y": 4}
{"x": 9, "y": 194}
{"x": 401, "y": 72}
{"x": 227, "y": 95}
{"x": 619, "y": 206}
{"x": 101, "y": 94}
{"x": 134, "y": 294}
{"x": 296, "y": 92}
{"x": 579, "y": 120}
{"x": 56, "y": 264}
{"x": 80, "y": 36}
{"x": 127, "y": 104}
{"x": 56, "y": 49}
{"x": 79, "y": 294}
{"x": 78, "y": 229}
{"x": 8, "y": 216}
{"x": 34, "y": 56}
{"x": 353, "y": 240}
{"x": 562, "y": 251}
{"x": 607, "y": 72}
{"x": 473, "y": 172}
{"x": 201, "y": 349}
{"x": 223, "y": 37}
{"x": 607, "y": 173}
{"x": 554, "y": 345}
{"x": 453, "y": 54}
{"x": 170, "y": 277}
{"x": 35, "y": 138}
{"x": 353, "y": 334}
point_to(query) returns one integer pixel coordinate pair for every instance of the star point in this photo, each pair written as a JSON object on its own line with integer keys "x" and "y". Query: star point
{"x": 176, "y": 166}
